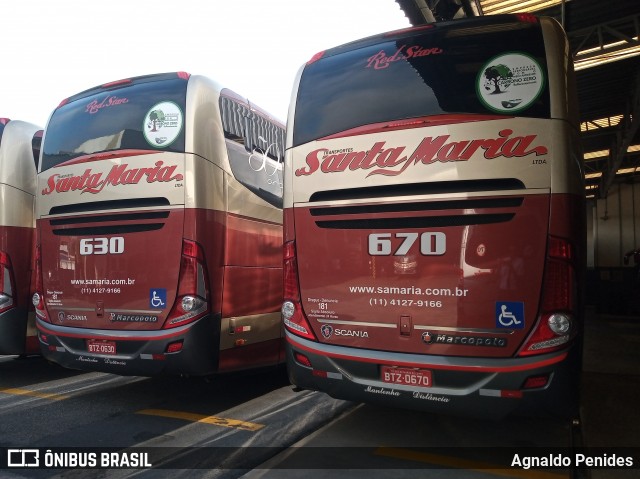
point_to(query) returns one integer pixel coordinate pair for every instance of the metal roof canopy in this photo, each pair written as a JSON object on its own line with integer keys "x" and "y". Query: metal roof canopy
{"x": 609, "y": 90}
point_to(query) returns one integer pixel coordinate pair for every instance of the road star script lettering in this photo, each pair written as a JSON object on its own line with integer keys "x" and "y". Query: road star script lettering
{"x": 390, "y": 161}
{"x": 90, "y": 182}
{"x": 95, "y": 106}
{"x": 381, "y": 60}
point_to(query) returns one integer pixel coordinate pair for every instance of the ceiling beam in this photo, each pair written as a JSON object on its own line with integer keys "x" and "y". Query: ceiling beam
{"x": 605, "y": 38}
{"x": 629, "y": 127}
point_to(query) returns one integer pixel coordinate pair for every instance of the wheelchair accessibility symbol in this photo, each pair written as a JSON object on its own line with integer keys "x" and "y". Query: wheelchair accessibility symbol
{"x": 157, "y": 298}
{"x": 510, "y": 314}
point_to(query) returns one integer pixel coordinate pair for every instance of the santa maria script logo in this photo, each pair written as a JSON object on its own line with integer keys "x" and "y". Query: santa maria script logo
{"x": 90, "y": 182}
{"x": 393, "y": 160}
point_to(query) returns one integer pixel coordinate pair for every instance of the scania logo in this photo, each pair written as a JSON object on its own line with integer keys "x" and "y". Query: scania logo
{"x": 327, "y": 330}
{"x": 427, "y": 337}
{"x": 61, "y": 316}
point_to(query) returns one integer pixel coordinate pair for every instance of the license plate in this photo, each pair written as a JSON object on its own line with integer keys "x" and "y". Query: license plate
{"x": 406, "y": 377}
{"x": 101, "y": 346}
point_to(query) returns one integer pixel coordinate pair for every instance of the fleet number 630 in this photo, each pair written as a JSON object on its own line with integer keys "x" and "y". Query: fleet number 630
{"x": 431, "y": 244}
{"x": 113, "y": 245}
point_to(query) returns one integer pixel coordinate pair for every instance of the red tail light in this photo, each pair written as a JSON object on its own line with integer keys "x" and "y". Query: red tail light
{"x": 316, "y": 57}
{"x": 527, "y": 17}
{"x": 557, "y": 316}
{"x": 292, "y": 315}
{"x": 410, "y": 29}
{"x": 124, "y": 81}
{"x": 7, "y": 283}
{"x": 38, "y": 295}
{"x": 192, "y": 301}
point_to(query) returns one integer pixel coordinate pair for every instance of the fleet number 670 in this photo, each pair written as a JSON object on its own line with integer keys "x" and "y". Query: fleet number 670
{"x": 431, "y": 244}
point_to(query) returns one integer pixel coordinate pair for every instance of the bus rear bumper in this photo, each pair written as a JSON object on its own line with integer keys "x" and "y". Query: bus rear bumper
{"x": 185, "y": 350}
{"x": 488, "y": 388}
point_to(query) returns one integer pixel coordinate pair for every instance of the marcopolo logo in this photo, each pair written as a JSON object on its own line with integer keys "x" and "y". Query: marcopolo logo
{"x": 466, "y": 340}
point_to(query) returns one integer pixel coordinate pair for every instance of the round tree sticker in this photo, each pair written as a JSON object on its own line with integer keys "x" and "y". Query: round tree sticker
{"x": 162, "y": 124}
{"x": 510, "y": 82}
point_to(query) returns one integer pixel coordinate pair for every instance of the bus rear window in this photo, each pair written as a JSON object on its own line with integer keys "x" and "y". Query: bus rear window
{"x": 444, "y": 70}
{"x": 131, "y": 117}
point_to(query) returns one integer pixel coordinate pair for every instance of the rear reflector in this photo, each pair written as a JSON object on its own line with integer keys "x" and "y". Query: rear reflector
{"x": 174, "y": 347}
{"x": 536, "y": 382}
{"x": 302, "y": 359}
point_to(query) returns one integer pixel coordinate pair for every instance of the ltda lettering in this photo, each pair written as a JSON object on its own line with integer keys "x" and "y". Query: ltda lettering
{"x": 391, "y": 162}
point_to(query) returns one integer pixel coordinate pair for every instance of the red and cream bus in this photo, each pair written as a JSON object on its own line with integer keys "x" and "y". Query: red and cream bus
{"x": 434, "y": 220}
{"x": 19, "y": 152}
{"x": 159, "y": 215}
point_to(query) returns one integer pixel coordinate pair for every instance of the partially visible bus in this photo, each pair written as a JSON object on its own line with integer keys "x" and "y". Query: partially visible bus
{"x": 19, "y": 152}
{"x": 159, "y": 214}
{"x": 434, "y": 220}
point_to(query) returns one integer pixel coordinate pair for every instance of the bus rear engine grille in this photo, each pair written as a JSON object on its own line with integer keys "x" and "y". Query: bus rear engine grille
{"x": 423, "y": 206}
{"x": 108, "y": 229}
{"x": 133, "y": 203}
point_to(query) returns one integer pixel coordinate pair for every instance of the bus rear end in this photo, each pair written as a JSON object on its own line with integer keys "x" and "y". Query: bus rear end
{"x": 19, "y": 149}
{"x": 434, "y": 221}
{"x": 119, "y": 288}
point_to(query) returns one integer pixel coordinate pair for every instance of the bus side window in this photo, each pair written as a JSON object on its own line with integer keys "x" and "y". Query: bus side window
{"x": 258, "y": 172}
{"x": 36, "y": 143}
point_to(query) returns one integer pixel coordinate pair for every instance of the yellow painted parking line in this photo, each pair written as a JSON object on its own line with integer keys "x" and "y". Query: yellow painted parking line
{"x": 215, "y": 420}
{"x": 460, "y": 463}
{"x": 37, "y": 394}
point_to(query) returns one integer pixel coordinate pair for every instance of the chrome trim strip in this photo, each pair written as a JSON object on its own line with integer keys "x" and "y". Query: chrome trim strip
{"x": 359, "y": 323}
{"x": 464, "y": 330}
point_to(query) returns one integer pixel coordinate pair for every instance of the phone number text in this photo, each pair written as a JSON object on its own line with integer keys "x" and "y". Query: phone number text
{"x": 100, "y": 290}
{"x": 420, "y": 303}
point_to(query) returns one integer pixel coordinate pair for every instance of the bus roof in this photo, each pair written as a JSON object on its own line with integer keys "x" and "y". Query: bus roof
{"x": 462, "y": 23}
{"x": 125, "y": 81}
